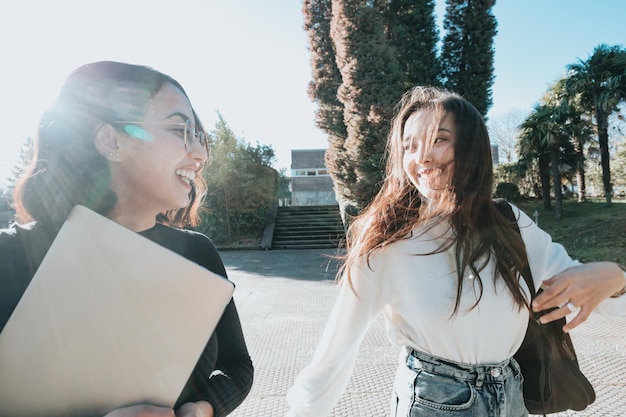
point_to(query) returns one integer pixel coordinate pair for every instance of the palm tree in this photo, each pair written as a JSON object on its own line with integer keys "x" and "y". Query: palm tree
{"x": 601, "y": 83}
{"x": 543, "y": 134}
{"x": 576, "y": 125}
{"x": 532, "y": 146}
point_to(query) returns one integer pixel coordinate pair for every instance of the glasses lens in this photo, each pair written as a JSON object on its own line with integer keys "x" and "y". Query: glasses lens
{"x": 188, "y": 137}
{"x": 202, "y": 138}
{"x": 191, "y": 137}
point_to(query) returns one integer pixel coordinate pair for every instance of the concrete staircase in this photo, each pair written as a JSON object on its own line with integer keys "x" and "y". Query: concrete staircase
{"x": 308, "y": 227}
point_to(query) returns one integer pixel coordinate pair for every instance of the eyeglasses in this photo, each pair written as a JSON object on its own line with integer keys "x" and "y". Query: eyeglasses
{"x": 189, "y": 136}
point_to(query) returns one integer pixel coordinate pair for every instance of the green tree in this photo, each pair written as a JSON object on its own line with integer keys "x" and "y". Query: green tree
{"x": 601, "y": 83}
{"x": 323, "y": 88}
{"x": 541, "y": 131}
{"x": 544, "y": 134}
{"x": 24, "y": 156}
{"x": 6, "y": 211}
{"x": 22, "y": 161}
{"x": 284, "y": 185}
{"x": 371, "y": 86}
{"x": 467, "y": 54}
{"x": 364, "y": 55}
{"x": 532, "y": 147}
{"x": 242, "y": 187}
{"x": 574, "y": 123}
{"x": 412, "y": 31}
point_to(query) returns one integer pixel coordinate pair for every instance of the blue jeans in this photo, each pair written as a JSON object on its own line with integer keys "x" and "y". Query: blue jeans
{"x": 429, "y": 386}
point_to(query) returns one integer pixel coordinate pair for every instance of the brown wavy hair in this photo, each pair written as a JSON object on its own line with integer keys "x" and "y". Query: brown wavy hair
{"x": 479, "y": 230}
{"x": 66, "y": 169}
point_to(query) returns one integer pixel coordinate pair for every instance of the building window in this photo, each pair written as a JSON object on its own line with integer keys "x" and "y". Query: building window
{"x": 310, "y": 172}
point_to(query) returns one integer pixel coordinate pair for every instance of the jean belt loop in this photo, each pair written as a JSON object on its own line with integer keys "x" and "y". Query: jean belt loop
{"x": 480, "y": 378}
{"x": 515, "y": 367}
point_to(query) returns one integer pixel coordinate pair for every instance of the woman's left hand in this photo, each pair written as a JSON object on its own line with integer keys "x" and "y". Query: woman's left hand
{"x": 197, "y": 409}
{"x": 579, "y": 289}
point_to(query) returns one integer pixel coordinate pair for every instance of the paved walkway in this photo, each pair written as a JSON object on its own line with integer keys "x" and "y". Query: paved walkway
{"x": 284, "y": 298}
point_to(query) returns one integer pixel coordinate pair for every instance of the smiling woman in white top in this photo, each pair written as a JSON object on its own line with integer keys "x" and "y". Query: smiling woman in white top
{"x": 434, "y": 255}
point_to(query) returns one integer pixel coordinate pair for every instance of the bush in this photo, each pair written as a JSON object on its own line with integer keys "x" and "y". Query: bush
{"x": 242, "y": 187}
{"x": 508, "y": 191}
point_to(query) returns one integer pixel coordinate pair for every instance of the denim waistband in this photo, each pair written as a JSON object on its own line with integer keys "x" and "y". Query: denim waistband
{"x": 478, "y": 374}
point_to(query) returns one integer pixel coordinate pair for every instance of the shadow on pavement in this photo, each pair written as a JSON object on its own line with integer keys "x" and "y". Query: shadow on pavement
{"x": 301, "y": 264}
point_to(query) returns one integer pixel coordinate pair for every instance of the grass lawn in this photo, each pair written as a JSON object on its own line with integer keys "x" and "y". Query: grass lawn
{"x": 589, "y": 231}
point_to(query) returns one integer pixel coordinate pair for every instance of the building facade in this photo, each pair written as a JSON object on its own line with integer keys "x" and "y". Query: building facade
{"x": 311, "y": 184}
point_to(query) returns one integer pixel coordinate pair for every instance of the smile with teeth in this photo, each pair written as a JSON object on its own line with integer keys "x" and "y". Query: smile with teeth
{"x": 186, "y": 174}
{"x": 436, "y": 171}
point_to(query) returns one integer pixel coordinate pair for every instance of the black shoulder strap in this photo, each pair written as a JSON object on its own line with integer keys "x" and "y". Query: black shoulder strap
{"x": 506, "y": 210}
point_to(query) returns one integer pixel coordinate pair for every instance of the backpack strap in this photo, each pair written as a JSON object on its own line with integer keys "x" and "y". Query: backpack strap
{"x": 506, "y": 210}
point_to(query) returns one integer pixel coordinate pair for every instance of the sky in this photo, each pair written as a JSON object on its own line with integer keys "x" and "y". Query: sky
{"x": 249, "y": 59}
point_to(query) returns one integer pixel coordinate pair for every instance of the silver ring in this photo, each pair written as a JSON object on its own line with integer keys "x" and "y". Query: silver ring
{"x": 571, "y": 306}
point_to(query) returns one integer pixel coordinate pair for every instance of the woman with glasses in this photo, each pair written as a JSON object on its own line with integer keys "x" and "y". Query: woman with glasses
{"x": 433, "y": 254}
{"x": 124, "y": 141}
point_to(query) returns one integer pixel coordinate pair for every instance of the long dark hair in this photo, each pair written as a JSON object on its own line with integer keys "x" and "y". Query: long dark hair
{"x": 479, "y": 230}
{"x": 66, "y": 169}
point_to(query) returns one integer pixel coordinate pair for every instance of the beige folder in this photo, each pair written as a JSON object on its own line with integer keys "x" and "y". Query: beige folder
{"x": 110, "y": 318}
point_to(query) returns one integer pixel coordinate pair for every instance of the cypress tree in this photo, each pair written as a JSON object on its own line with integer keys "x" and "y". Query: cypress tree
{"x": 412, "y": 31}
{"x": 371, "y": 85}
{"x": 323, "y": 87}
{"x": 366, "y": 53}
{"x": 468, "y": 53}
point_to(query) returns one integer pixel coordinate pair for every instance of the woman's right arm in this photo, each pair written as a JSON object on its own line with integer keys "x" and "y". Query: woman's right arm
{"x": 563, "y": 279}
{"x": 321, "y": 384}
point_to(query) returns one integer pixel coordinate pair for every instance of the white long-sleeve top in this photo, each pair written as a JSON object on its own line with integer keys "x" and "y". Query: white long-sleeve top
{"x": 416, "y": 295}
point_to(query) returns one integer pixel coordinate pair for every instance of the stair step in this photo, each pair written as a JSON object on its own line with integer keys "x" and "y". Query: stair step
{"x": 310, "y": 231}
{"x": 302, "y": 227}
{"x": 305, "y": 242}
{"x": 308, "y": 246}
{"x": 317, "y": 220}
{"x": 307, "y": 226}
{"x": 321, "y": 213}
{"x": 306, "y": 239}
{"x": 308, "y": 218}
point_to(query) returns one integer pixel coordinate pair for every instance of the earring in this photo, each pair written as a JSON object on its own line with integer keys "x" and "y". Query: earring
{"x": 111, "y": 154}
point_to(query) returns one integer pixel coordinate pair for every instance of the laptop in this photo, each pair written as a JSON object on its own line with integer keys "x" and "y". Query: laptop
{"x": 110, "y": 318}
